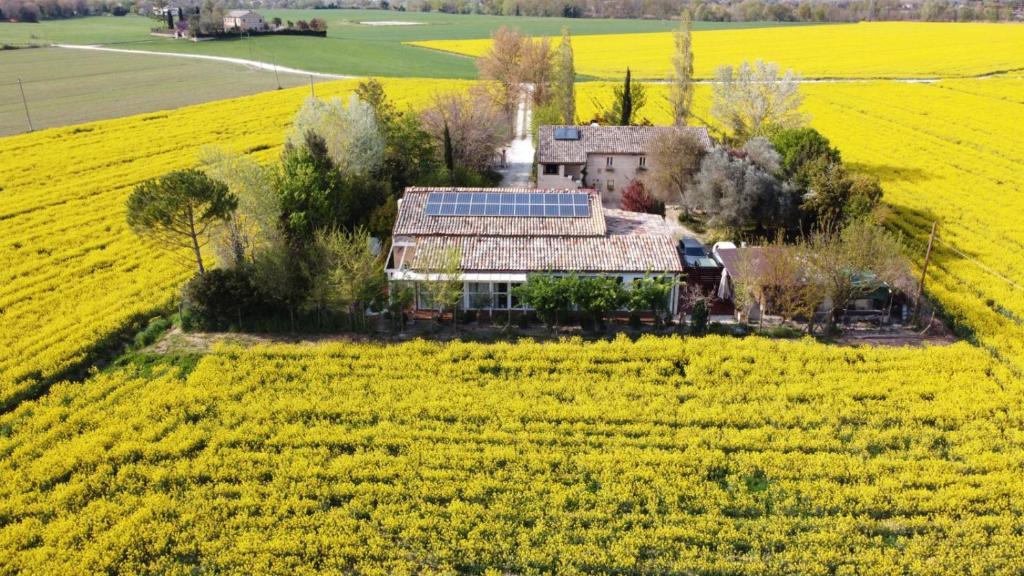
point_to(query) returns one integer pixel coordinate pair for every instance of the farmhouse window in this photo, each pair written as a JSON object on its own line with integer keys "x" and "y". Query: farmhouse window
{"x": 550, "y": 169}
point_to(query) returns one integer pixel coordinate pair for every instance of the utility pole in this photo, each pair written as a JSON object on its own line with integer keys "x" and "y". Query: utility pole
{"x": 25, "y": 103}
{"x": 312, "y": 91}
{"x": 273, "y": 60}
{"x": 924, "y": 272}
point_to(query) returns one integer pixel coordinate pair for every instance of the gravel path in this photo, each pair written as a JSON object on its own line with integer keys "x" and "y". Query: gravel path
{"x": 520, "y": 152}
{"x": 240, "y": 61}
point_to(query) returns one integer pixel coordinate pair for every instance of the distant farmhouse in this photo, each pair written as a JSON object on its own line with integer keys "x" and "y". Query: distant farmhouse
{"x": 243, "y": 20}
{"x": 504, "y": 234}
{"x": 605, "y": 158}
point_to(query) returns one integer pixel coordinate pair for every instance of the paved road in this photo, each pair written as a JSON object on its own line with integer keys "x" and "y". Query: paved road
{"x": 520, "y": 152}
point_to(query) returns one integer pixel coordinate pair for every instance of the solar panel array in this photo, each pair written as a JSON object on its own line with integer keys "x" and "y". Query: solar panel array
{"x": 567, "y": 133}
{"x": 544, "y": 205}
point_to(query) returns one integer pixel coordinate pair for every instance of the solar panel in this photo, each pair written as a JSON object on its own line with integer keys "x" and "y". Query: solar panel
{"x": 567, "y": 133}
{"x": 535, "y": 204}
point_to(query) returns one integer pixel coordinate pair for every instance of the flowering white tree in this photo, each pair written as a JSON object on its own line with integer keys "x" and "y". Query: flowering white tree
{"x": 754, "y": 99}
{"x": 354, "y": 140}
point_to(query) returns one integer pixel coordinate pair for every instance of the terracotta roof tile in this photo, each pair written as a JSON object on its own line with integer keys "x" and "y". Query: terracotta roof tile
{"x": 624, "y": 253}
{"x": 603, "y": 139}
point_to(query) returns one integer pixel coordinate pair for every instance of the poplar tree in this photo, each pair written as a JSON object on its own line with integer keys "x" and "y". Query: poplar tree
{"x": 681, "y": 89}
{"x": 565, "y": 79}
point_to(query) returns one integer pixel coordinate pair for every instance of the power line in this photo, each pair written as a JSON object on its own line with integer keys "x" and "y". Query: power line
{"x": 979, "y": 264}
{"x": 24, "y": 101}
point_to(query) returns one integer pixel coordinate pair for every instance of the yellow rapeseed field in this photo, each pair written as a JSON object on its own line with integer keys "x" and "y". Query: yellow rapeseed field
{"x": 662, "y": 456}
{"x": 71, "y": 272}
{"x": 865, "y": 50}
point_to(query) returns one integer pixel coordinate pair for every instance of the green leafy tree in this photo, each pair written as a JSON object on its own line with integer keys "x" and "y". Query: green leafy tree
{"x": 352, "y": 276}
{"x": 597, "y": 296}
{"x": 179, "y": 208}
{"x": 410, "y": 155}
{"x": 836, "y": 197}
{"x": 308, "y": 189}
{"x": 549, "y": 295}
{"x": 650, "y": 294}
{"x": 314, "y": 196}
{"x": 279, "y": 277}
{"x": 798, "y": 148}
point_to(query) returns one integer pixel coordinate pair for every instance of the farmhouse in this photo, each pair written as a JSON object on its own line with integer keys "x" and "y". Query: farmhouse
{"x": 503, "y": 234}
{"x": 244, "y": 20}
{"x": 605, "y": 158}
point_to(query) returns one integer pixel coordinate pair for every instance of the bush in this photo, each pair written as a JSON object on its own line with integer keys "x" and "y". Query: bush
{"x": 152, "y": 332}
{"x": 221, "y": 300}
{"x": 635, "y": 198}
{"x": 699, "y": 318}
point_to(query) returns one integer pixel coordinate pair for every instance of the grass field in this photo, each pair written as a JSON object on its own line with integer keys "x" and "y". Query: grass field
{"x": 865, "y": 50}
{"x": 350, "y": 48}
{"x": 663, "y": 456}
{"x": 66, "y": 87}
{"x": 73, "y": 274}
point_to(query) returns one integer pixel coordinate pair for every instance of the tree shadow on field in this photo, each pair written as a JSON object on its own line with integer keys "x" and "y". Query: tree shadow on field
{"x": 98, "y": 355}
{"x": 914, "y": 226}
{"x": 890, "y": 172}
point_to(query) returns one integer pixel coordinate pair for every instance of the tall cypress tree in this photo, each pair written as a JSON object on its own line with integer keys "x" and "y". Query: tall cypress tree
{"x": 627, "y": 103}
{"x": 449, "y": 153}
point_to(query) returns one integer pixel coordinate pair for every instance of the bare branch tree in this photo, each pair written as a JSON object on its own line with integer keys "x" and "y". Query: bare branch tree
{"x": 474, "y": 125}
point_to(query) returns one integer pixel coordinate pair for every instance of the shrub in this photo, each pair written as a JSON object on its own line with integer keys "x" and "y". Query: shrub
{"x": 635, "y": 198}
{"x": 699, "y": 318}
{"x": 152, "y": 332}
{"x": 221, "y": 299}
